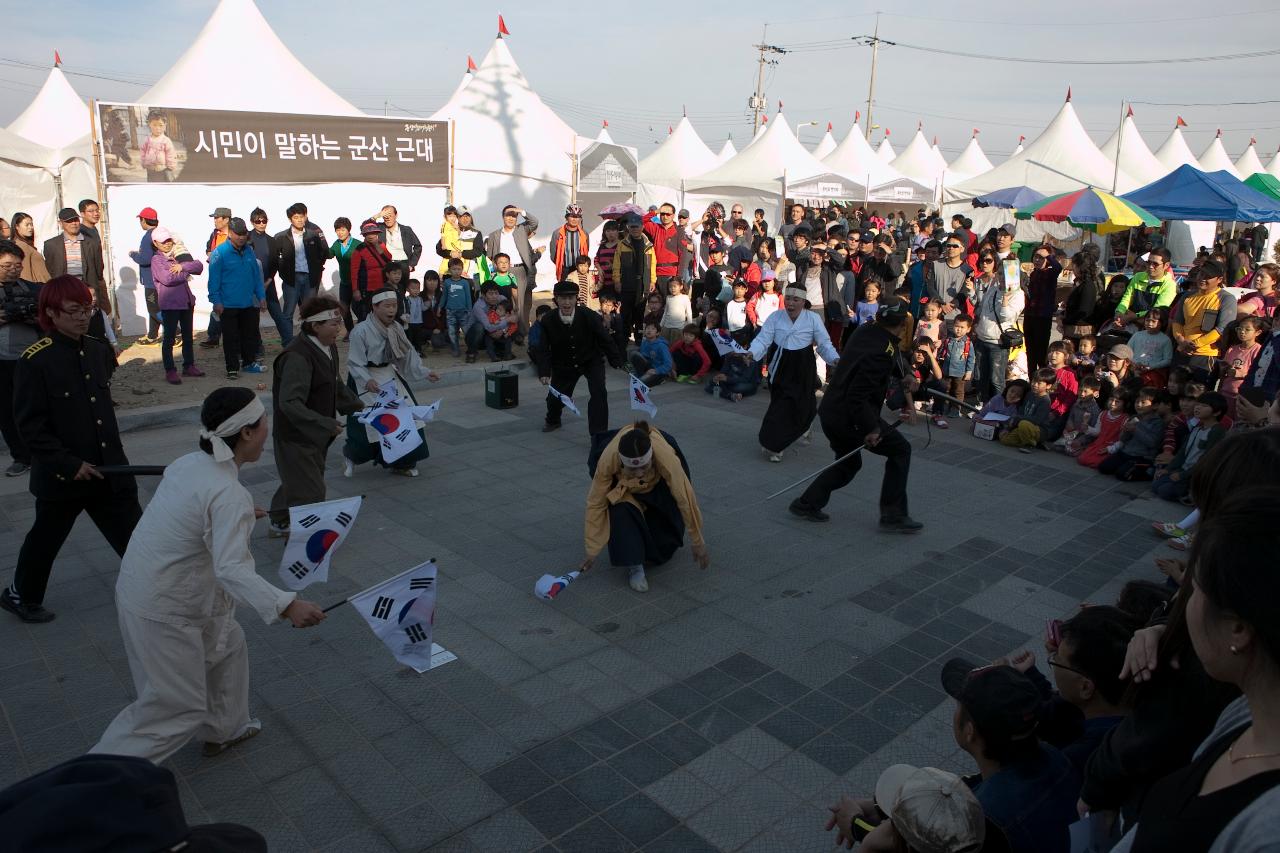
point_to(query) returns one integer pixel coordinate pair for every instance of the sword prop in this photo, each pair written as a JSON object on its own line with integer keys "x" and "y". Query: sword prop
{"x": 132, "y": 470}
{"x": 958, "y": 402}
{"x": 848, "y": 455}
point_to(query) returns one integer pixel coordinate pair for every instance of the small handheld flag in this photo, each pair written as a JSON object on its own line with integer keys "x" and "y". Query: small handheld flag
{"x": 725, "y": 343}
{"x": 565, "y": 399}
{"x": 548, "y": 587}
{"x": 426, "y": 414}
{"x": 315, "y": 532}
{"x": 641, "y": 400}
{"x": 401, "y": 612}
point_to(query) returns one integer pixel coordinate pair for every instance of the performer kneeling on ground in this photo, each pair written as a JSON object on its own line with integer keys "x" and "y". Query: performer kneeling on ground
{"x": 306, "y": 398}
{"x": 575, "y": 344}
{"x": 187, "y": 565}
{"x": 640, "y": 504}
{"x": 793, "y": 372}
{"x": 850, "y": 414}
{"x": 380, "y": 352}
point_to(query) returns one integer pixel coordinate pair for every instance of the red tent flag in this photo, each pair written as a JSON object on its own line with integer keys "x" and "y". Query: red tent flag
{"x": 471, "y": 64}
{"x": 857, "y": 116}
{"x": 1130, "y": 111}
{"x": 1179, "y": 122}
{"x": 502, "y": 27}
{"x": 57, "y": 60}
{"x": 1068, "y": 94}
{"x": 828, "y": 127}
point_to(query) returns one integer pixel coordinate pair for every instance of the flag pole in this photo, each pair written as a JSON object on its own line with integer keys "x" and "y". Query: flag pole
{"x": 366, "y": 589}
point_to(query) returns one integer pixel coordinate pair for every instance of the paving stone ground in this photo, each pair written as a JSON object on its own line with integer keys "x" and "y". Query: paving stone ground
{"x": 723, "y": 710}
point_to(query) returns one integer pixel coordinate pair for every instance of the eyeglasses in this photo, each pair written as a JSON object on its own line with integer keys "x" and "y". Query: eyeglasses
{"x": 82, "y": 313}
{"x": 666, "y": 215}
{"x": 258, "y": 221}
{"x": 1053, "y": 662}
{"x": 1039, "y": 257}
{"x": 954, "y": 246}
{"x": 986, "y": 261}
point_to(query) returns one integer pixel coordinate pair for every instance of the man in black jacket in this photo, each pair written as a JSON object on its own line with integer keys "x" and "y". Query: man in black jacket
{"x": 264, "y": 248}
{"x": 401, "y": 241}
{"x": 300, "y": 273}
{"x": 850, "y": 415}
{"x": 63, "y": 406}
{"x": 575, "y": 344}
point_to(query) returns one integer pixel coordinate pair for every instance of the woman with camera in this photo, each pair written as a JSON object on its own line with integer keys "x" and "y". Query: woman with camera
{"x": 995, "y": 328}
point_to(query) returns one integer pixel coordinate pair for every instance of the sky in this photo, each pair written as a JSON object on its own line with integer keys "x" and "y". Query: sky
{"x": 640, "y": 68}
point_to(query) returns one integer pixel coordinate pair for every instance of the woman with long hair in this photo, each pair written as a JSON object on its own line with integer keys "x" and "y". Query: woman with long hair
{"x": 1079, "y": 313}
{"x": 24, "y": 234}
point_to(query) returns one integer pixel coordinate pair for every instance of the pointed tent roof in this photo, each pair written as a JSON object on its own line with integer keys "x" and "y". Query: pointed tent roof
{"x": 1061, "y": 159}
{"x": 1175, "y": 152}
{"x": 1135, "y": 157}
{"x": 1249, "y": 164}
{"x": 937, "y": 152}
{"x": 727, "y": 151}
{"x": 681, "y": 155}
{"x": 855, "y": 157}
{"x": 603, "y": 135}
{"x": 56, "y": 116}
{"x": 1215, "y": 159}
{"x": 825, "y": 145}
{"x": 885, "y": 150}
{"x": 762, "y": 163}
{"x": 1019, "y": 148}
{"x": 918, "y": 161}
{"x": 237, "y": 28}
{"x": 971, "y": 162}
{"x": 504, "y": 127}
{"x": 1273, "y": 168}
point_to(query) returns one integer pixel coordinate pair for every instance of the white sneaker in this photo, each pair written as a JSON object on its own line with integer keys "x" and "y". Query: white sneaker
{"x": 807, "y": 438}
{"x": 348, "y": 467}
{"x": 277, "y": 531}
{"x": 637, "y": 580}
{"x": 775, "y": 457}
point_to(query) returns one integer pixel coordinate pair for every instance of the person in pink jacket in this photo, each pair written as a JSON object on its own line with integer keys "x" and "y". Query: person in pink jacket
{"x": 171, "y": 269}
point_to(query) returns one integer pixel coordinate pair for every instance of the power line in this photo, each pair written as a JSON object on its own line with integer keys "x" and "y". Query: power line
{"x": 1039, "y": 61}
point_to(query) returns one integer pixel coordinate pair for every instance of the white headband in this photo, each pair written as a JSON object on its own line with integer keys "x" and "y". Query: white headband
{"x": 798, "y": 292}
{"x": 321, "y": 316}
{"x": 383, "y": 296}
{"x": 636, "y": 461}
{"x": 248, "y": 416}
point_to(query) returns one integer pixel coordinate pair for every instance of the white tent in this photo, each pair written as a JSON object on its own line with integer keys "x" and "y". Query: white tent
{"x": 1273, "y": 168}
{"x": 885, "y": 150}
{"x": 1020, "y": 147}
{"x": 682, "y": 155}
{"x": 28, "y": 182}
{"x": 57, "y": 117}
{"x": 1061, "y": 159}
{"x": 919, "y": 162}
{"x": 1134, "y": 156}
{"x": 603, "y": 135}
{"x": 1215, "y": 159}
{"x": 937, "y": 153}
{"x": 825, "y": 145}
{"x": 1175, "y": 152}
{"x": 281, "y": 84}
{"x": 1249, "y": 164}
{"x": 970, "y": 163}
{"x": 727, "y": 151}
{"x": 855, "y": 157}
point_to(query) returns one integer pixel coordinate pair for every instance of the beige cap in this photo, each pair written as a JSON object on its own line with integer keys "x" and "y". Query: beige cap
{"x": 933, "y": 810}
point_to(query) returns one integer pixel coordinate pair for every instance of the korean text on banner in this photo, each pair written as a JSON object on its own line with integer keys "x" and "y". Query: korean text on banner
{"x": 315, "y": 532}
{"x": 401, "y": 613}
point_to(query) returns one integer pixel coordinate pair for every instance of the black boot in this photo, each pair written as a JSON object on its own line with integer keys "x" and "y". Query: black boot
{"x": 900, "y": 524}
{"x": 799, "y": 508}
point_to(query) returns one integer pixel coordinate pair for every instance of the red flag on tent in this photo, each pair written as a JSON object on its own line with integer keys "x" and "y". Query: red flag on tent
{"x": 828, "y": 127}
{"x": 1130, "y": 111}
{"x": 1180, "y": 122}
{"x": 857, "y": 116}
{"x": 1253, "y": 140}
{"x": 670, "y": 130}
{"x": 1068, "y": 94}
{"x": 1021, "y": 139}
{"x": 886, "y": 133}
{"x": 975, "y": 133}
{"x": 502, "y": 27}
{"x": 779, "y": 106}
{"x": 764, "y": 119}
{"x": 57, "y": 60}
{"x": 1218, "y": 135}
{"x": 919, "y": 125}
{"x": 471, "y": 63}
{"x": 604, "y": 122}
{"x": 935, "y": 140}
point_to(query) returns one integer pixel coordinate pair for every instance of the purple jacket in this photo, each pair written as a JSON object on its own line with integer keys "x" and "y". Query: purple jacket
{"x": 173, "y": 293}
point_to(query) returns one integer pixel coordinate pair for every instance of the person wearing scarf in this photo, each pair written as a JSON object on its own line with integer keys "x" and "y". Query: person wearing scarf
{"x": 187, "y": 565}
{"x": 640, "y": 504}
{"x": 380, "y": 352}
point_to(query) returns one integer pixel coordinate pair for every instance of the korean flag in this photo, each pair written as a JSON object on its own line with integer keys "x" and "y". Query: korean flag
{"x": 315, "y": 532}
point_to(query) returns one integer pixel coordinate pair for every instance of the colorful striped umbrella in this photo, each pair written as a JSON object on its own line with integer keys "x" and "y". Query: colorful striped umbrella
{"x": 1090, "y": 209}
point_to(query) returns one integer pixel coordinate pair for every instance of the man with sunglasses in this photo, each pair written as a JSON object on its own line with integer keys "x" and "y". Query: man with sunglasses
{"x": 512, "y": 240}
{"x": 1042, "y": 304}
{"x": 666, "y": 238}
{"x": 1153, "y": 288}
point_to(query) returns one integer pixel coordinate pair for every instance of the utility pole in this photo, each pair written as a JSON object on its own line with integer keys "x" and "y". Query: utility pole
{"x": 874, "y": 40}
{"x": 756, "y": 102}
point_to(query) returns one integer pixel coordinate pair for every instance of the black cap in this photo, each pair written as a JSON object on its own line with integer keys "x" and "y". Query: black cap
{"x": 1000, "y": 699}
{"x": 236, "y": 226}
{"x": 738, "y": 254}
{"x": 893, "y": 308}
{"x": 68, "y": 214}
{"x": 1212, "y": 269}
{"x": 564, "y": 288}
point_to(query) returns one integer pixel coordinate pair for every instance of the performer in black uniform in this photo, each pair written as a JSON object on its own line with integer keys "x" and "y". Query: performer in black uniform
{"x": 64, "y": 411}
{"x": 575, "y": 344}
{"x": 850, "y": 415}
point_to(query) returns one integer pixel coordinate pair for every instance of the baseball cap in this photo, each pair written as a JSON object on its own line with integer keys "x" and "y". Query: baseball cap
{"x": 1212, "y": 269}
{"x": 148, "y": 213}
{"x": 160, "y": 234}
{"x": 682, "y": 214}
{"x": 236, "y": 226}
{"x": 1121, "y": 351}
{"x": 893, "y": 308}
{"x": 738, "y": 254}
{"x": 998, "y": 698}
{"x": 1008, "y": 228}
{"x": 221, "y": 211}
{"x": 933, "y": 810}
{"x": 631, "y": 219}
{"x": 68, "y": 214}
{"x": 564, "y": 288}
{"x": 463, "y": 210}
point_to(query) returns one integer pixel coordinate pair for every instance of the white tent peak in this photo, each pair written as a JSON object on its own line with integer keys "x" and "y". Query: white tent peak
{"x": 970, "y": 163}
{"x": 855, "y": 157}
{"x": 764, "y": 162}
{"x": 885, "y": 149}
{"x": 919, "y": 162}
{"x": 681, "y": 155}
{"x": 603, "y": 135}
{"x": 1133, "y": 155}
{"x": 281, "y": 83}
{"x": 1175, "y": 152}
{"x": 727, "y": 151}
{"x": 1215, "y": 159}
{"x": 56, "y": 116}
{"x": 825, "y": 145}
{"x": 1273, "y": 168}
{"x": 1061, "y": 159}
{"x": 1249, "y": 163}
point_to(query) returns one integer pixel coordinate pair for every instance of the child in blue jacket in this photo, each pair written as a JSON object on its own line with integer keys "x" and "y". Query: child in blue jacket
{"x": 652, "y": 362}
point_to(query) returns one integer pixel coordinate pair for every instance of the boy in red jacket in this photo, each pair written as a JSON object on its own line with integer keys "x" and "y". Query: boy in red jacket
{"x": 689, "y": 357}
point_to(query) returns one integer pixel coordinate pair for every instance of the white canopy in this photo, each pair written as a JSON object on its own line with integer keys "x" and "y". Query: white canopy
{"x": 1061, "y": 159}
{"x": 919, "y": 162}
{"x": 1135, "y": 157}
{"x": 1175, "y": 152}
{"x": 971, "y": 162}
{"x": 825, "y": 145}
{"x": 1249, "y": 164}
{"x": 1020, "y": 147}
{"x": 855, "y": 157}
{"x": 762, "y": 164}
{"x": 603, "y": 135}
{"x": 1273, "y": 168}
{"x": 27, "y": 181}
{"x": 280, "y": 83}
{"x": 884, "y": 150}
{"x": 727, "y": 151}
{"x": 681, "y": 155}
{"x": 1215, "y": 159}
{"x": 56, "y": 117}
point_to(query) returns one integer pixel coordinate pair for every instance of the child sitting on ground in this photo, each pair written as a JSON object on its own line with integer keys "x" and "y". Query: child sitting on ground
{"x": 1173, "y": 481}
{"x": 1152, "y": 350}
{"x": 678, "y": 312}
{"x": 1081, "y": 424}
{"x": 501, "y": 275}
{"x": 689, "y": 360}
{"x": 957, "y": 355}
{"x": 739, "y": 377}
{"x": 502, "y": 311}
{"x": 1110, "y": 425}
{"x": 1178, "y": 377}
{"x": 1004, "y": 405}
{"x": 1085, "y": 359}
{"x": 1033, "y": 414}
{"x": 932, "y": 327}
{"x": 1140, "y": 440}
{"x": 1241, "y": 355}
{"x": 1065, "y": 390}
{"x": 710, "y": 322}
{"x": 652, "y": 362}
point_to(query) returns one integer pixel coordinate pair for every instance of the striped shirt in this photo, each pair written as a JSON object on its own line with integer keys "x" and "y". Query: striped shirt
{"x": 75, "y": 262}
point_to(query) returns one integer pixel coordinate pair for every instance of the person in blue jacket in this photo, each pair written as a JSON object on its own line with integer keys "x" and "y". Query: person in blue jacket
{"x": 238, "y": 299}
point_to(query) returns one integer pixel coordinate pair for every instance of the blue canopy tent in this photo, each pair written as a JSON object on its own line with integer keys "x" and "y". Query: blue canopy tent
{"x": 1010, "y": 197}
{"x": 1189, "y": 194}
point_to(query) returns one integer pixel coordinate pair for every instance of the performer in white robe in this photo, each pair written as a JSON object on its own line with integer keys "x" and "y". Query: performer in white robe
{"x": 187, "y": 564}
{"x": 380, "y": 351}
{"x": 793, "y": 377}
